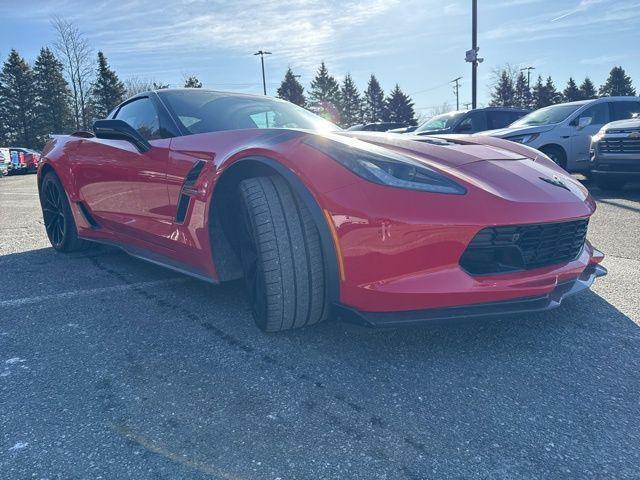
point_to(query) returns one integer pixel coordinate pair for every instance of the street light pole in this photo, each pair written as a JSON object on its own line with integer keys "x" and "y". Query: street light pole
{"x": 474, "y": 46}
{"x": 456, "y": 88}
{"x": 472, "y": 55}
{"x": 264, "y": 82}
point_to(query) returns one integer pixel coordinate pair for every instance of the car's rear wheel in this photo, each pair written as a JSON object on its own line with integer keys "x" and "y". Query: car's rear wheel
{"x": 608, "y": 183}
{"x": 58, "y": 219}
{"x": 281, "y": 256}
{"x": 556, "y": 154}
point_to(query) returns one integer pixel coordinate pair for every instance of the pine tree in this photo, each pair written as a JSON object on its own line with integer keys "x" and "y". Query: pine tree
{"x": 545, "y": 94}
{"x": 571, "y": 93}
{"x": 618, "y": 84}
{"x": 324, "y": 95}
{"x": 108, "y": 91}
{"x": 400, "y": 107}
{"x": 503, "y": 92}
{"x": 350, "y": 103}
{"x": 192, "y": 82}
{"x": 588, "y": 89}
{"x": 18, "y": 102}
{"x": 291, "y": 89}
{"x": 522, "y": 93}
{"x": 53, "y": 111}
{"x": 374, "y": 104}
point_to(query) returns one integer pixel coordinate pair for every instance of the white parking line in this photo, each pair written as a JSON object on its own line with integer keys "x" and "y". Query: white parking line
{"x": 93, "y": 291}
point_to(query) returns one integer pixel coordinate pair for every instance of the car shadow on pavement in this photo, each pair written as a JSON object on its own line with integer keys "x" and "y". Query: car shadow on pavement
{"x": 180, "y": 372}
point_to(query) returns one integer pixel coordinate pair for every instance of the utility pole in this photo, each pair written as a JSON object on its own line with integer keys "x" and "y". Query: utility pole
{"x": 528, "y": 69}
{"x": 456, "y": 88}
{"x": 472, "y": 55}
{"x": 264, "y": 82}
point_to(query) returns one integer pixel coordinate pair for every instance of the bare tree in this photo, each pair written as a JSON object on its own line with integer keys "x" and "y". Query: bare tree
{"x": 77, "y": 57}
{"x": 135, "y": 85}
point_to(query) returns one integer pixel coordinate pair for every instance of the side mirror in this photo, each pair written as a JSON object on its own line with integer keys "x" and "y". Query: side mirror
{"x": 464, "y": 128}
{"x": 584, "y": 122}
{"x": 120, "y": 130}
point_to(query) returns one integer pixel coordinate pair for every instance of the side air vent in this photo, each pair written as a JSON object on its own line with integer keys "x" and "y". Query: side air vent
{"x": 188, "y": 190}
{"x": 87, "y": 216}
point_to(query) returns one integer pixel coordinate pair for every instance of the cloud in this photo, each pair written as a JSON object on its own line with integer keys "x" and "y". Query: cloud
{"x": 603, "y": 59}
{"x": 582, "y": 6}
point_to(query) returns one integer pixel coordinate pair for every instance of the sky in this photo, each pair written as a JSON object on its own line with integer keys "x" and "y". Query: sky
{"x": 419, "y": 44}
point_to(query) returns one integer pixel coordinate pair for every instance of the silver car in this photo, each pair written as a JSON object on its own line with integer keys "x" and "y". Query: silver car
{"x": 564, "y": 131}
{"x": 615, "y": 154}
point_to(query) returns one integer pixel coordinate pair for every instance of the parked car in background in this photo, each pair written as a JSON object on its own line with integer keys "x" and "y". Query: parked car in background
{"x": 615, "y": 154}
{"x": 376, "y": 127}
{"x": 5, "y": 161}
{"x": 470, "y": 121}
{"x": 563, "y": 132}
{"x": 28, "y": 159}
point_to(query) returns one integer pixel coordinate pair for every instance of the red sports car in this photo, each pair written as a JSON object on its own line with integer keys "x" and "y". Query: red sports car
{"x": 384, "y": 229}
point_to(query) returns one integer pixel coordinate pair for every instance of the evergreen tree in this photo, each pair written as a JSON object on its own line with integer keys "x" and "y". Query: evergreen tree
{"x": 192, "y": 82}
{"x": 588, "y": 89}
{"x": 503, "y": 92}
{"x": 571, "y": 93}
{"x": 350, "y": 103}
{"x": 618, "y": 84}
{"x": 325, "y": 93}
{"x": 18, "y": 102}
{"x": 374, "y": 104}
{"x": 545, "y": 94}
{"x": 522, "y": 93}
{"x": 108, "y": 91}
{"x": 53, "y": 112}
{"x": 291, "y": 89}
{"x": 400, "y": 107}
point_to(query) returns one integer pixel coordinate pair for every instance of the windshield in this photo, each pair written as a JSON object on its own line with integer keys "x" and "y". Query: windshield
{"x": 201, "y": 111}
{"x": 440, "y": 122}
{"x": 546, "y": 116}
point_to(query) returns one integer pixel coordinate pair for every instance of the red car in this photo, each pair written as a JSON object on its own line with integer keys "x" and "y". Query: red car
{"x": 384, "y": 229}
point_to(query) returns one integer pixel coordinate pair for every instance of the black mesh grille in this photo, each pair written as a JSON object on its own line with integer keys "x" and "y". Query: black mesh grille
{"x": 523, "y": 247}
{"x": 620, "y": 145}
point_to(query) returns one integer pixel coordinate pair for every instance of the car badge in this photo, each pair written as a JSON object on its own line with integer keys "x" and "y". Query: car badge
{"x": 555, "y": 181}
{"x": 634, "y": 135}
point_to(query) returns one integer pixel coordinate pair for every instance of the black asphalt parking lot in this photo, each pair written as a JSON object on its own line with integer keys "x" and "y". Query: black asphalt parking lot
{"x": 113, "y": 368}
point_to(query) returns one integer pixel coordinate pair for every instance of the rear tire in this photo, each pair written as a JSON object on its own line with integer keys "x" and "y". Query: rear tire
{"x": 58, "y": 219}
{"x": 608, "y": 183}
{"x": 281, "y": 256}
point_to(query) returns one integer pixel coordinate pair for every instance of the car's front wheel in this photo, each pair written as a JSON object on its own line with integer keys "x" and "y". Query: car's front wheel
{"x": 58, "y": 219}
{"x": 281, "y": 256}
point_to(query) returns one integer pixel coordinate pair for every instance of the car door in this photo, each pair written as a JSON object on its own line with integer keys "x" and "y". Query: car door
{"x": 125, "y": 189}
{"x": 581, "y": 137}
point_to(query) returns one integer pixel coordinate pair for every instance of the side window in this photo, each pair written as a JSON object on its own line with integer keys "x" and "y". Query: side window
{"x": 473, "y": 122}
{"x": 500, "y": 119}
{"x": 141, "y": 115}
{"x": 625, "y": 110}
{"x": 599, "y": 114}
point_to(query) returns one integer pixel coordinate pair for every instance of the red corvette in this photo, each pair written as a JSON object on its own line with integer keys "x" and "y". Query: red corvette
{"x": 379, "y": 228}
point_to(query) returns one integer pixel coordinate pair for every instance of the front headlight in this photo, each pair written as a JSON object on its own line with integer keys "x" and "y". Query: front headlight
{"x": 385, "y": 167}
{"x": 527, "y": 138}
{"x": 598, "y": 136}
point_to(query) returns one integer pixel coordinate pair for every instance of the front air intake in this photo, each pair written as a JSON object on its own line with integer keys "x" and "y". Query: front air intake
{"x": 524, "y": 247}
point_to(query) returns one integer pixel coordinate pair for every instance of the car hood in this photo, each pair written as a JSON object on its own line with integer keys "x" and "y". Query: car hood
{"x": 630, "y": 124}
{"x": 434, "y": 132}
{"x": 513, "y": 131}
{"x": 491, "y": 165}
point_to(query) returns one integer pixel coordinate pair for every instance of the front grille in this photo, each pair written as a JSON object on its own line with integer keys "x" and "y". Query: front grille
{"x": 620, "y": 145}
{"x": 523, "y": 247}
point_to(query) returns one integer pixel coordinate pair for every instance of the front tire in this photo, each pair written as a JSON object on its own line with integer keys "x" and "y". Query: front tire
{"x": 281, "y": 256}
{"x": 556, "y": 154}
{"x": 58, "y": 219}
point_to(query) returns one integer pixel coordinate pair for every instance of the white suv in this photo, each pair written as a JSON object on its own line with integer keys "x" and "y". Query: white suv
{"x": 563, "y": 131}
